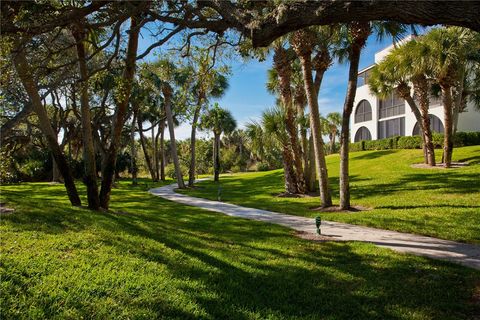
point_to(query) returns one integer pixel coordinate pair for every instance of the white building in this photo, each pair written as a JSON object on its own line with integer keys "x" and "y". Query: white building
{"x": 373, "y": 118}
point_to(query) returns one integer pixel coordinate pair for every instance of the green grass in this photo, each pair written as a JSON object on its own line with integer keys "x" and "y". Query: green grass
{"x": 158, "y": 259}
{"x": 440, "y": 203}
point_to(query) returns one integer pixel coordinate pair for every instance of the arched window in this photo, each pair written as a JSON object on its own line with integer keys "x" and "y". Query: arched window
{"x": 436, "y": 125}
{"x": 363, "y": 112}
{"x": 363, "y": 134}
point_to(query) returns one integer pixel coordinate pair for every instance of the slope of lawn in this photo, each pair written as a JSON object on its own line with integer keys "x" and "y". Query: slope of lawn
{"x": 157, "y": 259}
{"x": 435, "y": 202}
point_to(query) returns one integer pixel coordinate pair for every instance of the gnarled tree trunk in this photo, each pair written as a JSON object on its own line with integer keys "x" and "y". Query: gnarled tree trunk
{"x": 90, "y": 168}
{"x": 109, "y": 163}
{"x": 25, "y": 75}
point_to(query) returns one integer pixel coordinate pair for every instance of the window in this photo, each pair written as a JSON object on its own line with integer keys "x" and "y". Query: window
{"x": 363, "y": 112}
{"x": 393, "y": 105}
{"x": 363, "y": 78}
{"x": 363, "y": 134}
{"x": 390, "y": 128}
{"x": 436, "y": 125}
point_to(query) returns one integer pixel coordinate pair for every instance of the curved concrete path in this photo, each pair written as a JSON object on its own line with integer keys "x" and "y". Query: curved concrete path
{"x": 465, "y": 254}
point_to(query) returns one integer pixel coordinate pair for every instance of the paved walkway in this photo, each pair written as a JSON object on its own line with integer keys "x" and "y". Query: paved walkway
{"x": 465, "y": 254}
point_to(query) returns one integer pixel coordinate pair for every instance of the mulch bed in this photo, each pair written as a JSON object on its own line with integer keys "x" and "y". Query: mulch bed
{"x": 352, "y": 209}
{"x": 439, "y": 165}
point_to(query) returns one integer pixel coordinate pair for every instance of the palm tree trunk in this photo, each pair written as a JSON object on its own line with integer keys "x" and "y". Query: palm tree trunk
{"x": 320, "y": 163}
{"x": 25, "y": 75}
{"x": 422, "y": 117}
{"x": 311, "y": 165}
{"x": 144, "y": 146}
{"x": 162, "y": 150}
{"x": 345, "y": 132}
{"x": 283, "y": 67}
{"x": 133, "y": 151}
{"x": 447, "y": 114}
{"x": 109, "y": 163}
{"x": 167, "y": 92}
{"x": 157, "y": 154}
{"x": 90, "y": 173}
{"x": 290, "y": 182}
{"x": 154, "y": 155}
{"x": 193, "y": 135}
{"x": 216, "y": 157}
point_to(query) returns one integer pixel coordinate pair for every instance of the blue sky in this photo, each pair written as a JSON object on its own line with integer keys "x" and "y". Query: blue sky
{"x": 247, "y": 97}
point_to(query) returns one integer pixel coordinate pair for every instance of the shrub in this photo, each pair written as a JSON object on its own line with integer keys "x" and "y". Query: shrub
{"x": 235, "y": 169}
{"x": 261, "y": 166}
{"x": 357, "y": 146}
{"x": 460, "y": 139}
{"x": 170, "y": 170}
{"x": 414, "y": 142}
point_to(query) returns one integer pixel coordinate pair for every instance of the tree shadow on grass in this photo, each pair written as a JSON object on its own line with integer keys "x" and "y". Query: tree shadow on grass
{"x": 372, "y": 154}
{"x": 246, "y": 269}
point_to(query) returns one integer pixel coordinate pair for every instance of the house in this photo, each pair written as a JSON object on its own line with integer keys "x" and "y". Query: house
{"x": 374, "y": 118}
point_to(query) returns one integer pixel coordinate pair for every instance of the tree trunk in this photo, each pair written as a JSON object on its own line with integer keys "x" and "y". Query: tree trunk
{"x": 422, "y": 88}
{"x": 283, "y": 67}
{"x": 90, "y": 169}
{"x": 144, "y": 146}
{"x": 458, "y": 99}
{"x": 304, "y": 146}
{"x": 167, "y": 92}
{"x": 109, "y": 163}
{"x": 157, "y": 155}
{"x": 447, "y": 114}
{"x": 332, "y": 142}
{"x": 25, "y": 75}
{"x": 154, "y": 155}
{"x": 216, "y": 157}
{"x": 56, "y": 176}
{"x": 311, "y": 165}
{"x": 162, "y": 150}
{"x": 360, "y": 32}
{"x": 191, "y": 171}
{"x": 422, "y": 118}
{"x": 133, "y": 151}
{"x": 320, "y": 163}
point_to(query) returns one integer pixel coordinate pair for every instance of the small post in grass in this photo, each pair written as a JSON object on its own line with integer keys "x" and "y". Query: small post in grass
{"x": 318, "y": 223}
{"x": 219, "y": 193}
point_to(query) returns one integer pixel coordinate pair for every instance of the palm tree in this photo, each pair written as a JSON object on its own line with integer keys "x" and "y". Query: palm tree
{"x": 164, "y": 75}
{"x": 334, "y": 120}
{"x": 303, "y": 42}
{"x": 274, "y": 125}
{"x": 210, "y": 84}
{"x": 448, "y": 50}
{"x": 402, "y": 66}
{"x": 219, "y": 121}
{"x": 353, "y": 38}
{"x": 282, "y": 63}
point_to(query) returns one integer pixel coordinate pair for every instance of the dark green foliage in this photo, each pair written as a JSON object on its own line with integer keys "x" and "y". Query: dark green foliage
{"x": 414, "y": 142}
{"x": 460, "y": 139}
{"x": 262, "y": 166}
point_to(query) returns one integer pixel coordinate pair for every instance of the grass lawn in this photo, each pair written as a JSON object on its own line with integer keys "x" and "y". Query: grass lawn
{"x": 158, "y": 259}
{"x": 440, "y": 203}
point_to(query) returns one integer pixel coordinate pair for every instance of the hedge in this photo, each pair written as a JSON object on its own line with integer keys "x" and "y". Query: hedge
{"x": 460, "y": 139}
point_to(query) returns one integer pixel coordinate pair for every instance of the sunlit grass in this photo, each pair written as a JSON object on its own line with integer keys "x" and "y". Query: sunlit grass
{"x": 441, "y": 203}
{"x": 157, "y": 259}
